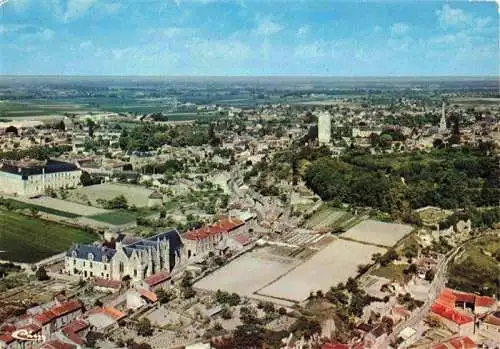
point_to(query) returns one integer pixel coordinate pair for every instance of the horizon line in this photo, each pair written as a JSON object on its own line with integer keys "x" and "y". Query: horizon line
{"x": 249, "y": 76}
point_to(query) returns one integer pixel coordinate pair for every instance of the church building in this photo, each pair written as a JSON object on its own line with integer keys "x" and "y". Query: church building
{"x": 138, "y": 260}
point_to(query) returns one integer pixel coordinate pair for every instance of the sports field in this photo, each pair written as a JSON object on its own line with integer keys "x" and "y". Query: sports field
{"x": 29, "y": 239}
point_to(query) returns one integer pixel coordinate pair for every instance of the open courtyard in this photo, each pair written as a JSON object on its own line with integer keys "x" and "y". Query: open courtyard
{"x": 378, "y": 233}
{"x": 333, "y": 264}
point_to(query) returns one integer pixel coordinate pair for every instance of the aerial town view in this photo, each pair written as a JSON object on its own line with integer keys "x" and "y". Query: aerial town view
{"x": 249, "y": 174}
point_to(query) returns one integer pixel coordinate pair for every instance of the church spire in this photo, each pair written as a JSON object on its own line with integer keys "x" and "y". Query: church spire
{"x": 442, "y": 122}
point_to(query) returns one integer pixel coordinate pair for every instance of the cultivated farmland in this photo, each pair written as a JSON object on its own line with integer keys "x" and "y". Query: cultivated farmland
{"x": 333, "y": 264}
{"x": 29, "y": 239}
{"x": 378, "y": 233}
{"x": 63, "y": 205}
{"x": 248, "y": 273}
{"x": 327, "y": 218}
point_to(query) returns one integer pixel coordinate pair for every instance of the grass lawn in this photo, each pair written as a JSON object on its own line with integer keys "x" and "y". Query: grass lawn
{"x": 23, "y": 205}
{"x": 391, "y": 271}
{"x": 116, "y": 218}
{"x": 29, "y": 239}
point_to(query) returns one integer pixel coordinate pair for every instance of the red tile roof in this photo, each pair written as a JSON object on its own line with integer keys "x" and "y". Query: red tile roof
{"x": 461, "y": 342}
{"x": 484, "y": 301}
{"x": 109, "y": 311}
{"x": 447, "y": 298}
{"x": 451, "y": 314}
{"x": 157, "y": 278}
{"x": 401, "y": 311}
{"x": 242, "y": 239}
{"x": 73, "y": 337}
{"x": 107, "y": 283}
{"x": 7, "y": 338}
{"x": 221, "y": 226}
{"x": 7, "y": 328}
{"x": 114, "y": 313}
{"x": 464, "y": 296}
{"x": 151, "y": 296}
{"x": 57, "y": 311}
{"x": 57, "y": 344}
{"x": 334, "y": 346}
{"x": 76, "y": 326}
{"x": 32, "y": 328}
{"x": 493, "y": 318}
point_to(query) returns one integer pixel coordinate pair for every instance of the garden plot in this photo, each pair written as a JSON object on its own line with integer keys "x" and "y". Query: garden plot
{"x": 63, "y": 205}
{"x": 248, "y": 273}
{"x": 378, "y": 233}
{"x": 326, "y": 217}
{"x": 135, "y": 194}
{"x": 333, "y": 264}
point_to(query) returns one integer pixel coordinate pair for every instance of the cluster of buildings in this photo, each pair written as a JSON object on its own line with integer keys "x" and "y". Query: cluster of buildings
{"x": 467, "y": 314}
{"x": 59, "y": 324}
{"x": 143, "y": 258}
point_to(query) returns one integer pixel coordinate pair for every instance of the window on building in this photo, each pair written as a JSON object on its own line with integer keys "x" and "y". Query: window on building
{"x": 91, "y": 264}
{"x": 105, "y": 267}
{"x": 74, "y": 261}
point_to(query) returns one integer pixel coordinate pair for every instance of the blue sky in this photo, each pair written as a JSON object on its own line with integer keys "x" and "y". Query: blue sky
{"x": 248, "y": 37}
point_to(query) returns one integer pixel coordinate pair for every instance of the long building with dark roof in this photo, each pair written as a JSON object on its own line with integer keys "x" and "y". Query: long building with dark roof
{"x": 31, "y": 177}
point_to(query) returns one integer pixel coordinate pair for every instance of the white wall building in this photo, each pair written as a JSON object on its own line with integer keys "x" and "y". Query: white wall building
{"x": 35, "y": 177}
{"x": 324, "y": 127}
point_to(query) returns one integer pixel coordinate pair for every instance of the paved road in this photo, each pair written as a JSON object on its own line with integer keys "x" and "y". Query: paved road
{"x": 435, "y": 289}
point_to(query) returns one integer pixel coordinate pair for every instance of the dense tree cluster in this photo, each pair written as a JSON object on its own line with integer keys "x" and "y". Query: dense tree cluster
{"x": 477, "y": 272}
{"x": 397, "y": 183}
{"x": 38, "y": 153}
{"x": 150, "y": 137}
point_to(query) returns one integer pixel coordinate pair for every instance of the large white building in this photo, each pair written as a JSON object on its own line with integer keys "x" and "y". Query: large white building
{"x": 30, "y": 178}
{"x": 324, "y": 127}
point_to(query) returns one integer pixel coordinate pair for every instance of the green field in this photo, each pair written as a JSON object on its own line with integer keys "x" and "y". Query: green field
{"x": 29, "y": 239}
{"x": 23, "y": 205}
{"x": 328, "y": 218}
{"x": 391, "y": 271}
{"x": 478, "y": 268}
{"x": 116, "y": 218}
{"x": 12, "y": 110}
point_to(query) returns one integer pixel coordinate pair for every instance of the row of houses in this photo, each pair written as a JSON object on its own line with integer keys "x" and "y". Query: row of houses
{"x": 60, "y": 324}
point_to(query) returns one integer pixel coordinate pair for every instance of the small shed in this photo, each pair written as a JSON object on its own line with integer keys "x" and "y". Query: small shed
{"x": 155, "y": 199}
